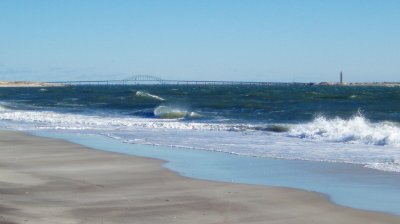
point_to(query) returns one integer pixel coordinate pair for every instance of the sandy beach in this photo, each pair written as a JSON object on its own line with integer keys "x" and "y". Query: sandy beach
{"x": 52, "y": 181}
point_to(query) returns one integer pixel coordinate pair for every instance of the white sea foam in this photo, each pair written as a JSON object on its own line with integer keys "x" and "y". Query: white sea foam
{"x": 356, "y": 140}
{"x": 73, "y": 121}
{"x": 354, "y": 130}
{"x": 393, "y": 166}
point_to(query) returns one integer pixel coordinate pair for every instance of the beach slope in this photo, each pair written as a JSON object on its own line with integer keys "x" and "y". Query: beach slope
{"x": 52, "y": 181}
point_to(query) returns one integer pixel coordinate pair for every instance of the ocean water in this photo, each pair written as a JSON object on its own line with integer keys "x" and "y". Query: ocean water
{"x": 342, "y": 141}
{"x": 341, "y": 124}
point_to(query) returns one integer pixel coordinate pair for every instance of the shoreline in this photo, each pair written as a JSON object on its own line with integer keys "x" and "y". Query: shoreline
{"x": 53, "y": 181}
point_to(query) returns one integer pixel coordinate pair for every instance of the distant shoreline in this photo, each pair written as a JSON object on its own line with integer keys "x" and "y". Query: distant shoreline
{"x": 381, "y": 84}
{"x": 48, "y": 84}
{"x": 28, "y": 84}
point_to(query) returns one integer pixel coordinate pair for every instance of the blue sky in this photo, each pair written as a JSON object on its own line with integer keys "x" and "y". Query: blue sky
{"x": 269, "y": 40}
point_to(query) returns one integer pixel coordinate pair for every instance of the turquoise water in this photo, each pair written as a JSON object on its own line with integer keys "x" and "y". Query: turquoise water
{"x": 345, "y": 184}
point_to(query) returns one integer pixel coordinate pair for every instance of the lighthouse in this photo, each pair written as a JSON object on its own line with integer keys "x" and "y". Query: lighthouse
{"x": 341, "y": 78}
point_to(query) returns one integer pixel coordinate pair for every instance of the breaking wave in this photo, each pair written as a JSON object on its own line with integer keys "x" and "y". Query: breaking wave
{"x": 355, "y": 140}
{"x": 174, "y": 113}
{"x": 357, "y": 129}
{"x": 148, "y": 95}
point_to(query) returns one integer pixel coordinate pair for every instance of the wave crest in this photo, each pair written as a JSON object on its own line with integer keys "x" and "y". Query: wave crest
{"x": 173, "y": 113}
{"x": 148, "y": 95}
{"x": 357, "y": 129}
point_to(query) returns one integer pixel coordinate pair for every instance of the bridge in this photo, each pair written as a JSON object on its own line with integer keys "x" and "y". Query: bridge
{"x": 154, "y": 80}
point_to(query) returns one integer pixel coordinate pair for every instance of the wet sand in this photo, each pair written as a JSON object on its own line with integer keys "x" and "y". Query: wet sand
{"x": 52, "y": 181}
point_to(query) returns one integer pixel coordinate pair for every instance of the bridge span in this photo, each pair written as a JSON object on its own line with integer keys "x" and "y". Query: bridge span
{"x": 154, "y": 80}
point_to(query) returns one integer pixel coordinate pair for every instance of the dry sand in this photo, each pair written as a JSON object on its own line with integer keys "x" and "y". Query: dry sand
{"x": 51, "y": 181}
